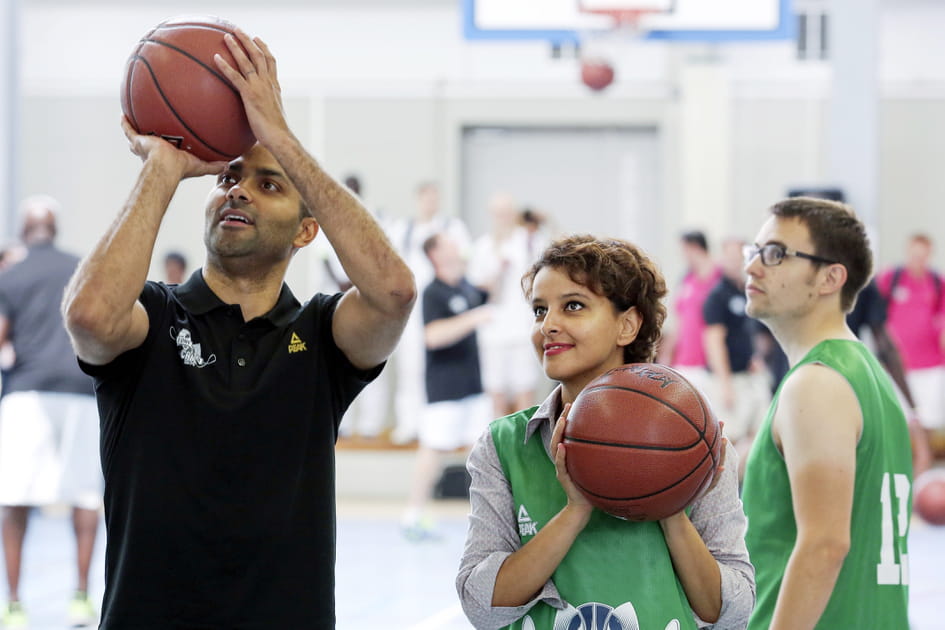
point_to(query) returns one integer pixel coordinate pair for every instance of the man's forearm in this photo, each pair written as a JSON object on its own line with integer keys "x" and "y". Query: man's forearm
{"x": 809, "y": 580}
{"x": 716, "y": 354}
{"x": 363, "y": 249}
{"x": 441, "y": 333}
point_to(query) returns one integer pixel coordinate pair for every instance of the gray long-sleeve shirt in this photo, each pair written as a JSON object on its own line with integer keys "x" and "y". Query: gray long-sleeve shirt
{"x": 493, "y": 534}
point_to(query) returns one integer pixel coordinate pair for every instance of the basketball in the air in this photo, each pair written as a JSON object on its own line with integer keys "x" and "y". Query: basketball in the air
{"x": 597, "y": 74}
{"x": 172, "y": 88}
{"x": 642, "y": 443}
{"x": 929, "y": 499}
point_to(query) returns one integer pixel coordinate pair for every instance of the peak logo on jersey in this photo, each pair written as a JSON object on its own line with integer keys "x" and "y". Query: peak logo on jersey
{"x": 526, "y": 526}
{"x": 190, "y": 352}
{"x": 597, "y": 616}
{"x": 296, "y": 344}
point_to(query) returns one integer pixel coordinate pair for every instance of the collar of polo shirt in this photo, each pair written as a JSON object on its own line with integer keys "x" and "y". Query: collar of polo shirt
{"x": 199, "y": 299}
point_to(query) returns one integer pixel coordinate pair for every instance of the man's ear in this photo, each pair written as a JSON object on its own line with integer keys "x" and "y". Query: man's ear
{"x": 834, "y": 279}
{"x": 308, "y": 230}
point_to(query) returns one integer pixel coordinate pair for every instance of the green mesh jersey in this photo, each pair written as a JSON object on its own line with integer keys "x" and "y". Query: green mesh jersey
{"x": 872, "y": 588}
{"x": 617, "y": 574}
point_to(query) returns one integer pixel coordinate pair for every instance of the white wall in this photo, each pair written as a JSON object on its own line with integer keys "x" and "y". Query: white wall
{"x": 385, "y": 89}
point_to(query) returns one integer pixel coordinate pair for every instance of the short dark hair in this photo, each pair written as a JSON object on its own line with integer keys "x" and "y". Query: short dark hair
{"x": 618, "y": 271}
{"x": 176, "y": 257}
{"x": 304, "y": 210}
{"x": 353, "y": 183}
{"x": 530, "y": 216}
{"x": 838, "y": 235}
{"x": 697, "y": 238}
{"x": 430, "y": 243}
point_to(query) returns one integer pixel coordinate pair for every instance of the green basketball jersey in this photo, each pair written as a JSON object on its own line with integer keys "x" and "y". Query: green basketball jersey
{"x": 617, "y": 574}
{"x": 871, "y": 590}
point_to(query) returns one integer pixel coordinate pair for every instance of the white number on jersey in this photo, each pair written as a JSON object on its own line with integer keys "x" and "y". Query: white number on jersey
{"x": 888, "y": 571}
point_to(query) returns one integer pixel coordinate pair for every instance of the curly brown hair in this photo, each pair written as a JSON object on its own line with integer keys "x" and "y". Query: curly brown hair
{"x": 618, "y": 271}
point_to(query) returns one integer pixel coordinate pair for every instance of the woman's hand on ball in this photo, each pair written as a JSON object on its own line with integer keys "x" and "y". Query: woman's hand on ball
{"x": 576, "y": 498}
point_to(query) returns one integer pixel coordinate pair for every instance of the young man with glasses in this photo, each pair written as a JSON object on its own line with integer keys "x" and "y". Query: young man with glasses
{"x": 834, "y": 447}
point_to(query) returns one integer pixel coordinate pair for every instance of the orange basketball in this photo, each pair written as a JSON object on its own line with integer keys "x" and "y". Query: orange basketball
{"x": 929, "y": 499}
{"x": 172, "y": 88}
{"x": 597, "y": 74}
{"x": 642, "y": 443}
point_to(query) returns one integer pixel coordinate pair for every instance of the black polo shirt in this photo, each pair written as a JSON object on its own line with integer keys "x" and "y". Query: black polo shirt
{"x": 452, "y": 372}
{"x": 218, "y": 453}
{"x": 725, "y": 305}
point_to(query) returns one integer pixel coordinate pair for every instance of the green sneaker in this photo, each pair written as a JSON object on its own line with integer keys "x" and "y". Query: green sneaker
{"x": 420, "y": 531}
{"x": 14, "y": 616}
{"x": 82, "y": 613}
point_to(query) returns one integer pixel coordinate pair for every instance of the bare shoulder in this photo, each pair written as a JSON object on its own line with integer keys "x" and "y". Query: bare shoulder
{"x": 817, "y": 404}
{"x": 816, "y": 387}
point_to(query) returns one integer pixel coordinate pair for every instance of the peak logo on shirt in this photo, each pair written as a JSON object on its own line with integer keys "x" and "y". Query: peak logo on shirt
{"x": 526, "y": 526}
{"x": 296, "y": 344}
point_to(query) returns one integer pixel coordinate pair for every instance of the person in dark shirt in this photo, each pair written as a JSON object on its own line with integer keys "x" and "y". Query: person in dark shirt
{"x": 175, "y": 267}
{"x": 869, "y": 315}
{"x": 48, "y": 420}
{"x": 457, "y": 411}
{"x": 220, "y": 398}
{"x": 738, "y": 388}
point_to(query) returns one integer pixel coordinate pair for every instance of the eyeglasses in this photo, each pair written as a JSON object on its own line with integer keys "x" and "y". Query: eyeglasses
{"x": 773, "y": 254}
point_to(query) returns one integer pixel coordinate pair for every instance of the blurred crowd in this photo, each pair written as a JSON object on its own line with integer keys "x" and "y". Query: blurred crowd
{"x": 731, "y": 358}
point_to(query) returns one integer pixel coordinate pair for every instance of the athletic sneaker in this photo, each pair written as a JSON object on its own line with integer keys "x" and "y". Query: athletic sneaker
{"x": 14, "y": 616}
{"x": 82, "y": 613}
{"x": 421, "y": 530}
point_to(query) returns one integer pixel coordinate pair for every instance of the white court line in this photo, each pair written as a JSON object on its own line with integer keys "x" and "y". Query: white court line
{"x": 437, "y": 620}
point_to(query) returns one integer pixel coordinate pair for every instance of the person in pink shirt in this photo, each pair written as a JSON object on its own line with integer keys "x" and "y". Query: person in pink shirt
{"x": 916, "y": 312}
{"x": 682, "y": 348}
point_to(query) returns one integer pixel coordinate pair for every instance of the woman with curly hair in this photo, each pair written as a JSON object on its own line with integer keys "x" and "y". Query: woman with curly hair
{"x": 538, "y": 556}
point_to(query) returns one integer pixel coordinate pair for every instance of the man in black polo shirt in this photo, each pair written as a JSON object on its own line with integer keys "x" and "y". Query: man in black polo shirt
{"x": 220, "y": 398}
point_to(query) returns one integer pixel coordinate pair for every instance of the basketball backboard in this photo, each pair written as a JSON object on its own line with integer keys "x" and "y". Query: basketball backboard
{"x": 562, "y": 21}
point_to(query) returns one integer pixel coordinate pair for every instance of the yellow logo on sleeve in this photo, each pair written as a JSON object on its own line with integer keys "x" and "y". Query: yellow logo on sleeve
{"x": 296, "y": 344}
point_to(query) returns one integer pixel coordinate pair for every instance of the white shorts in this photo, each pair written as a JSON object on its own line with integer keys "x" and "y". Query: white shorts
{"x": 452, "y": 424}
{"x": 49, "y": 450}
{"x": 928, "y": 390}
{"x": 752, "y": 398}
{"x": 509, "y": 368}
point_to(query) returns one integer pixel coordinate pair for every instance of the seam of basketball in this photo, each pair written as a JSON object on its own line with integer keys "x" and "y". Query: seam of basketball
{"x": 129, "y": 82}
{"x": 212, "y": 71}
{"x": 679, "y": 412}
{"x": 715, "y": 440}
{"x": 651, "y": 494}
{"x": 157, "y": 85}
{"x": 642, "y": 447}
{"x": 706, "y": 414}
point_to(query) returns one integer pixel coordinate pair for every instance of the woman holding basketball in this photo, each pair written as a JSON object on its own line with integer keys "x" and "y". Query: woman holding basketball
{"x": 538, "y": 556}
